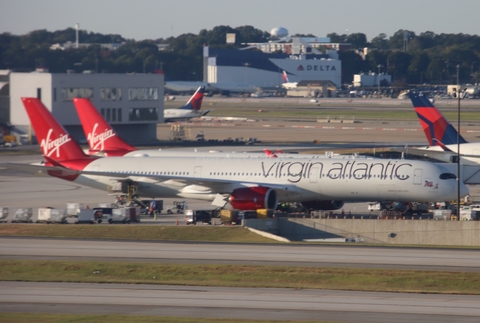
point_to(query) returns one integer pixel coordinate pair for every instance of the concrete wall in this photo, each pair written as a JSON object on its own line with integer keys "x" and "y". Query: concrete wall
{"x": 419, "y": 232}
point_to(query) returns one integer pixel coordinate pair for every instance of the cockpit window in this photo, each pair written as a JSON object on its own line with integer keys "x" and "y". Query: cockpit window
{"x": 448, "y": 176}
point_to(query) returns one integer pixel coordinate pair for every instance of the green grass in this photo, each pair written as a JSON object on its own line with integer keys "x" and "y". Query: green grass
{"x": 242, "y": 276}
{"x": 293, "y": 109}
{"x": 136, "y": 232}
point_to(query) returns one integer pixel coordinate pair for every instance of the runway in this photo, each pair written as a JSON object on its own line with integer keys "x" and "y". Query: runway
{"x": 239, "y": 303}
{"x": 244, "y": 303}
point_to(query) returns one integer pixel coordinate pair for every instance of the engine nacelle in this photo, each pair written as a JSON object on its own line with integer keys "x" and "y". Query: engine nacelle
{"x": 323, "y": 205}
{"x": 253, "y": 198}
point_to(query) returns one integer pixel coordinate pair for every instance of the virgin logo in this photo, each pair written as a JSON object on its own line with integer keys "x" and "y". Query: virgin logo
{"x": 50, "y": 146}
{"x": 97, "y": 141}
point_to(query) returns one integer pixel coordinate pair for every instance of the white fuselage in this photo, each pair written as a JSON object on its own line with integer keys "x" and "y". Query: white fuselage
{"x": 297, "y": 179}
{"x": 182, "y": 114}
{"x": 469, "y": 153}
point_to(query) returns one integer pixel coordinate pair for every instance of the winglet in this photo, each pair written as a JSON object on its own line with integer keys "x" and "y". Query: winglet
{"x": 285, "y": 77}
{"x": 270, "y": 154}
{"x": 100, "y": 135}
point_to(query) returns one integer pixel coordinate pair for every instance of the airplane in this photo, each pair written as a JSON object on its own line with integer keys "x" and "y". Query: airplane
{"x": 246, "y": 183}
{"x": 190, "y": 110}
{"x": 104, "y": 141}
{"x": 224, "y": 88}
{"x": 441, "y": 135}
{"x": 286, "y": 83}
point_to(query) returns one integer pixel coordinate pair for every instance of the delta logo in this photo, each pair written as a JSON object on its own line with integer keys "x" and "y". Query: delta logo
{"x": 321, "y": 68}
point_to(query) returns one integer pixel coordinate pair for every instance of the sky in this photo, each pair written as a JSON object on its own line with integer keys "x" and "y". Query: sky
{"x": 152, "y": 19}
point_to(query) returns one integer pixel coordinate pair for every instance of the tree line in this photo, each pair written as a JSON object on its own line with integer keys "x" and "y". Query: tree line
{"x": 410, "y": 58}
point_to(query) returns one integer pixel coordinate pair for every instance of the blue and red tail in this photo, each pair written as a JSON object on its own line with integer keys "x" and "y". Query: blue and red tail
{"x": 195, "y": 102}
{"x": 436, "y": 127}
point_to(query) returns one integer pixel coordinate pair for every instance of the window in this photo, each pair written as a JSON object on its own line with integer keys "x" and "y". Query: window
{"x": 68, "y": 93}
{"x": 448, "y": 176}
{"x": 143, "y": 94}
{"x": 111, "y": 94}
{"x": 39, "y": 94}
{"x": 108, "y": 114}
{"x": 143, "y": 114}
{"x": 119, "y": 114}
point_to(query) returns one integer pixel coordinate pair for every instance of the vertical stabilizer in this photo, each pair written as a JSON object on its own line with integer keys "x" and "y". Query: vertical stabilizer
{"x": 100, "y": 135}
{"x": 195, "y": 102}
{"x": 56, "y": 144}
{"x": 434, "y": 124}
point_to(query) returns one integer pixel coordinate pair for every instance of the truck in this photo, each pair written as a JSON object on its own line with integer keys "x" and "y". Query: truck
{"x": 470, "y": 213}
{"x": 230, "y": 217}
{"x": 23, "y": 216}
{"x": 194, "y": 216}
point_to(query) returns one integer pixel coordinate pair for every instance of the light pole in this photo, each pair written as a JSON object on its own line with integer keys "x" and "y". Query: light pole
{"x": 379, "y": 67}
{"x": 458, "y": 144}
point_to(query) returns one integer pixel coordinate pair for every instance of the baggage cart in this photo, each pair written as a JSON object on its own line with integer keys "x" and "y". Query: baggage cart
{"x": 51, "y": 215}
{"x": 23, "y": 216}
{"x": 85, "y": 216}
{"x": 3, "y": 214}
{"x": 124, "y": 215}
{"x": 73, "y": 209}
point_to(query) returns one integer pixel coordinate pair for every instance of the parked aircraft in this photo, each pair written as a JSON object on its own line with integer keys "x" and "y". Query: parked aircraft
{"x": 286, "y": 83}
{"x": 224, "y": 88}
{"x": 191, "y": 110}
{"x": 246, "y": 183}
{"x": 441, "y": 135}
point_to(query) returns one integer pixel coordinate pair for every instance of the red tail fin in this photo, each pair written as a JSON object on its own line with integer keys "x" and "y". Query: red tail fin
{"x": 100, "y": 135}
{"x": 55, "y": 142}
{"x": 195, "y": 102}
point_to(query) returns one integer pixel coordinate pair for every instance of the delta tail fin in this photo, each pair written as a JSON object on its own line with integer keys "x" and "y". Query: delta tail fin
{"x": 436, "y": 127}
{"x": 195, "y": 102}
{"x": 57, "y": 146}
{"x": 100, "y": 135}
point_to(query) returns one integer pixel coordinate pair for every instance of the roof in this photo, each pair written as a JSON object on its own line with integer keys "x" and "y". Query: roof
{"x": 315, "y": 83}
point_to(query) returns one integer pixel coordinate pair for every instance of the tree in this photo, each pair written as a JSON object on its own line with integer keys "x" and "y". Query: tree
{"x": 380, "y": 41}
{"x": 358, "y": 40}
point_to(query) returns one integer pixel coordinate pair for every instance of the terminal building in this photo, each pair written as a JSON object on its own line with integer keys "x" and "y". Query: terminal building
{"x": 131, "y": 103}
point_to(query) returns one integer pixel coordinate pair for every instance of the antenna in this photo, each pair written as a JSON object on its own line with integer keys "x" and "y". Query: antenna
{"x": 76, "y": 35}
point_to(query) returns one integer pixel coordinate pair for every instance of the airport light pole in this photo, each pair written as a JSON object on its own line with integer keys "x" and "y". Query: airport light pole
{"x": 458, "y": 144}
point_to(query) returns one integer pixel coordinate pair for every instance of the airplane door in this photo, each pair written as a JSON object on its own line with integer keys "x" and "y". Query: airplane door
{"x": 197, "y": 171}
{"x": 313, "y": 176}
{"x": 417, "y": 176}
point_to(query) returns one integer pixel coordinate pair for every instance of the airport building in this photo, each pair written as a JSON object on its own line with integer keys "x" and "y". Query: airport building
{"x": 262, "y": 64}
{"x": 131, "y": 103}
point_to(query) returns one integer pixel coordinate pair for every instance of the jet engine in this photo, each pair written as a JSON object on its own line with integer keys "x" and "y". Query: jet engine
{"x": 253, "y": 198}
{"x": 323, "y": 205}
